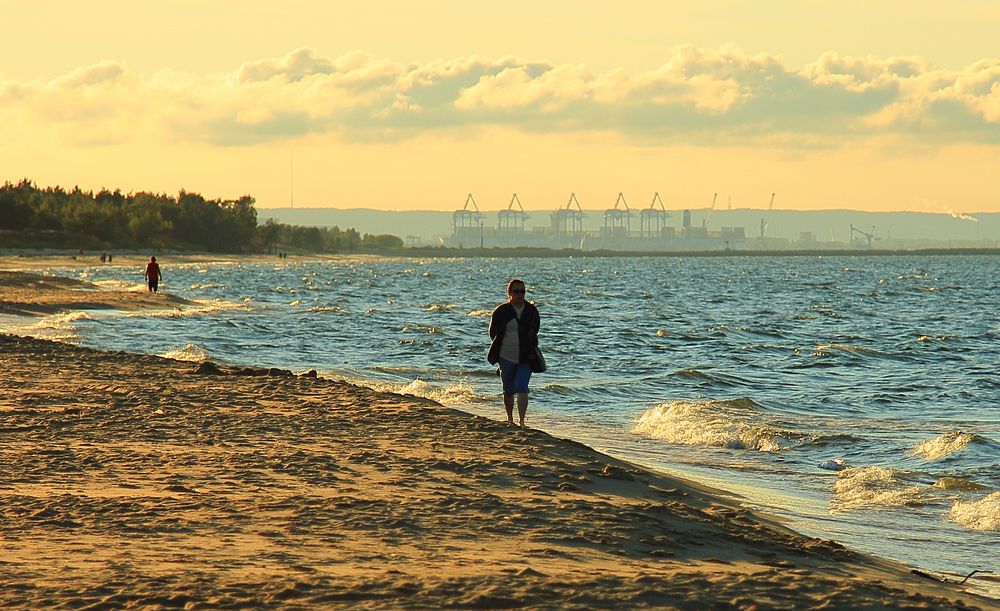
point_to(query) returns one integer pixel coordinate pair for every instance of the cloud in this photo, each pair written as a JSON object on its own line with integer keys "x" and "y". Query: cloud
{"x": 102, "y": 73}
{"x": 293, "y": 67}
{"x": 696, "y": 96}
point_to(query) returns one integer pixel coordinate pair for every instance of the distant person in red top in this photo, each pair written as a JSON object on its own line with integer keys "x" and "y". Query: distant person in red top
{"x": 153, "y": 275}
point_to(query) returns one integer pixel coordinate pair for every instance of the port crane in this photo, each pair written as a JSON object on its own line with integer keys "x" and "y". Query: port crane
{"x": 710, "y": 211}
{"x": 567, "y": 220}
{"x": 511, "y": 219}
{"x": 651, "y": 216}
{"x": 764, "y": 221}
{"x": 613, "y": 217}
{"x": 868, "y": 236}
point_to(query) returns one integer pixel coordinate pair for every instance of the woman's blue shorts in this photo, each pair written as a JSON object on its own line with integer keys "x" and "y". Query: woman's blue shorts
{"x": 514, "y": 376}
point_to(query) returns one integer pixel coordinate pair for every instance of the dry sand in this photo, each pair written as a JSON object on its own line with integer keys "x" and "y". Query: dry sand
{"x": 130, "y": 480}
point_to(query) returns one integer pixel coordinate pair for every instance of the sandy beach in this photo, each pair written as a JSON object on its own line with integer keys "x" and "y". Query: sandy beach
{"x": 129, "y": 480}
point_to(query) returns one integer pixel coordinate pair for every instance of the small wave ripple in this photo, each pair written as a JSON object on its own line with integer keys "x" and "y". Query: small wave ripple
{"x": 437, "y": 307}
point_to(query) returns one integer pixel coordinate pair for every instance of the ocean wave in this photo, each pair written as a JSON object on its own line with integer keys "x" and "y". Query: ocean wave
{"x": 320, "y": 308}
{"x": 457, "y": 394}
{"x": 861, "y": 487}
{"x": 421, "y": 329}
{"x": 57, "y": 327}
{"x": 697, "y": 374}
{"x": 121, "y": 285}
{"x": 405, "y": 370}
{"x": 983, "y": 514}
{"x": 201, "y": 307}
{"x": 479, "y": 314}
{"x": 939, "y": 338}
{"x": 191, "y": 352}
{"x": 732, "y": 423}
{"x": 437, "y": 307}
{"x": 956, "y": 483}
{"x": 823, "y": 440}
{"x": 693, "y": 373}
{"x": 943, "y": 445}
{"x": 849, "y": 348}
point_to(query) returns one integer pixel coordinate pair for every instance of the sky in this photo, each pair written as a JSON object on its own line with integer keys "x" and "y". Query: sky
{"x": 406, "y": 105}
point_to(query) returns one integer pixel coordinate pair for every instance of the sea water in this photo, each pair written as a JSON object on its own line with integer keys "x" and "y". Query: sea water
{"x": 857, "y": 398}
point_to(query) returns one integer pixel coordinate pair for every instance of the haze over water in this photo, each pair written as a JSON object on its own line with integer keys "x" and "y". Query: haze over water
{"x": 856, "y": 396}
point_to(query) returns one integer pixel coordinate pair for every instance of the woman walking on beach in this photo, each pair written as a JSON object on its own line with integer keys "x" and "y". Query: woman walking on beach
{"x": 514, "y": 334}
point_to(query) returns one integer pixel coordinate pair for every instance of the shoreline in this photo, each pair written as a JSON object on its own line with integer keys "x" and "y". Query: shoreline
{"x": 33, "y": 258}
{"x": 162, "y": 484}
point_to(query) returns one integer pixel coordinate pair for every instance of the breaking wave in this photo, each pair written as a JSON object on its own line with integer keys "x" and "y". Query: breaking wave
{"x": 121, "y": 285}
{"x": 983, "y": 514}
{"x": 859, "y": 487}
{"x": 191, "y": 352}
{"x": 943, "y": 445}
{"x": 452, "y": 394}
{"x": 732, "y": 423}
{"x": 57, "y": 327}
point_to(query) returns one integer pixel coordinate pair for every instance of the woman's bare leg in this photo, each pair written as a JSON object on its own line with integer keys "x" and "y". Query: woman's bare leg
{"x": 522, "y": 406}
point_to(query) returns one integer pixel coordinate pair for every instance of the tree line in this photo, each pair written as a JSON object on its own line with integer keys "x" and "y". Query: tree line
{"x": 56, "y": 218}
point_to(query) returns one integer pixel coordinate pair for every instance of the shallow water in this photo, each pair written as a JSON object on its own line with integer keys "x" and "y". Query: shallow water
{"x": 857, "y": 397}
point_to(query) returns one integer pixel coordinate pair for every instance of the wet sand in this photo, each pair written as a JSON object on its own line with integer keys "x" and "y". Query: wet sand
{"x": 131, "y": 480}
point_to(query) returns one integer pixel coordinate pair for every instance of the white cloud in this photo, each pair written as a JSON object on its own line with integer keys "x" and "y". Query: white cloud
{"x": 697, "y": 95}
{"x": 98, "y": 74}
{"x": 295, "y": 66}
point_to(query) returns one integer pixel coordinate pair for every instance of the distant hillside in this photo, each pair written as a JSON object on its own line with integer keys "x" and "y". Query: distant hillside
{"x": 899, "y": 229}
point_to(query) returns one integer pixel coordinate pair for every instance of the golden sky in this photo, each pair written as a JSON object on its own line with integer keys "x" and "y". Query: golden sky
{"x": 886, "y": 105}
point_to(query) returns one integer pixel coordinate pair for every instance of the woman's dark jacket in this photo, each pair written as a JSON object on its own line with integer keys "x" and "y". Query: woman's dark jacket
{"x": 527, "y": 330}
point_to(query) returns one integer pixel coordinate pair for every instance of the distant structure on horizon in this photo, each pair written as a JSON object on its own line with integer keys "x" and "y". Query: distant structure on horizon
{"x": 565, "y": 230}
{"x": 655, "y": 227}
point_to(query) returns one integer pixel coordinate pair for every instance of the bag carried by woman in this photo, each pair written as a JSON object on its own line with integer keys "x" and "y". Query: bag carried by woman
{"x": 537, "y": 361}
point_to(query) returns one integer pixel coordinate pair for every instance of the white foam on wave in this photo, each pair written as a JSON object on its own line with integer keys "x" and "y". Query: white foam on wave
{"x": 859, "y": 487}
{"x": 430, "y": 330}
{"x": 943, "y": 445}
{"x": 121, "y": 285}
{"x": 722, "y": 424}
{"x": 825, "y": 348}
{"x": 451, "y": 394}
{"x": 479, "y": 314}
{"x": 57, "y": 327}
{"x": 191, "y": 352}
{"x": 456, "y": 395}
{"x": 983, "y": 514}
{"x": 321, "y": 308}
{"x": 200, "y": 308}
{"x": 438, "y": 307}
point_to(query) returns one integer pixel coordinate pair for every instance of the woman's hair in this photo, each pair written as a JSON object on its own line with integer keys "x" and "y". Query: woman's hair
{"x": 514, "y": 281}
